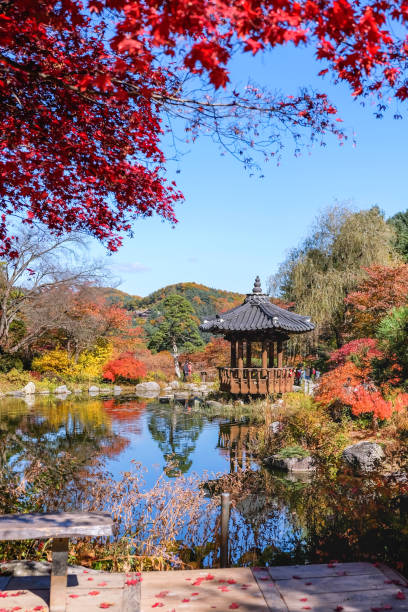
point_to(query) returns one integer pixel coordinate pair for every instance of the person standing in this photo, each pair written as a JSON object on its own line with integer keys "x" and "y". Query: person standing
{"x": 186, "y": 370}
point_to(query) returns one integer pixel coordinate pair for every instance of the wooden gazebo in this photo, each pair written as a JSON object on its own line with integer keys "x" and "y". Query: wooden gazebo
{"x": 257, "y": 320}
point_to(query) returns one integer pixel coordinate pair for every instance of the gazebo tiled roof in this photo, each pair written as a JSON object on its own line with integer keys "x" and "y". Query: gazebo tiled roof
{"x": 258, "y": 314}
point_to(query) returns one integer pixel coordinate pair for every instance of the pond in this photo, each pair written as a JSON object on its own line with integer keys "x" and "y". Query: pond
{"x": 56, "y": 445}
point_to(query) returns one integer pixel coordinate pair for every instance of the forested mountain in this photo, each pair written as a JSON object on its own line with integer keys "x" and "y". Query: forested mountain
{"x": 205, "y": 300}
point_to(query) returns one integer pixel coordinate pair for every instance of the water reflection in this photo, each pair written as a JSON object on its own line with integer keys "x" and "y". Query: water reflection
{"x": 233, "y": 443}
{"x": 176, "y": 430}
{"x": 54, "y": 441}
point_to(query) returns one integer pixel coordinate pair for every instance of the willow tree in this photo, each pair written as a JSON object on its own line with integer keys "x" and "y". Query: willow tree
{"x": 330, "y": 262}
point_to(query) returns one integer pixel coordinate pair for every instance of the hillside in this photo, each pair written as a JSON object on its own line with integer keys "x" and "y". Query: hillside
{"x": 205, "y": 300}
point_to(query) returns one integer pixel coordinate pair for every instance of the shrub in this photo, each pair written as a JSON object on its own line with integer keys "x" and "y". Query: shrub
{"x": 9, "y": 362}
{"x": 56, "y": 362}
{"x": 305, "y": 425}
{"x": 292, "y": 452}
{"x": 124, "y": 367}
{"x": 155, "y": 375}
{"x": 91, "y": 362}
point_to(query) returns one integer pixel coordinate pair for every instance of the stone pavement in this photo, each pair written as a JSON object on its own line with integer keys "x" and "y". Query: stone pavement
{"x": 333, "y": 587}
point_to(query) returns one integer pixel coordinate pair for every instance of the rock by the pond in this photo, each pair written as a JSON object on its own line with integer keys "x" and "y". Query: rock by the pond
{"x": 291, "y": 464}
{"x": 93, "y": 389}
{"x": 364, "y": 456}
{"x": 29, "y": 389}
{"x": 166, "y": 399}
{"x": 62, "y": 390}
{"x": 182, "y": 396}
{"x": 275, "y": 427}
{"x": 148, "y": 386}
{"x": 174, "y": 384}
{"x": 214, "y": 404}
{"x": 117, "y": 390}
{"x": 191, "y": 386}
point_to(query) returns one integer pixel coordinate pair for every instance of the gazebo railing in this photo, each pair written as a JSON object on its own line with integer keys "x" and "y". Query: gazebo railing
{"x": 256, "y": 380}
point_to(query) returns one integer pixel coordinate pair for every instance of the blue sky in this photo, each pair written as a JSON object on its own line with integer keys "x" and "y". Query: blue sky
{"x": 233, "y": 226}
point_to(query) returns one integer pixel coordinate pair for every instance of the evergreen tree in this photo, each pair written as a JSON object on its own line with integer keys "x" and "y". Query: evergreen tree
{"x": 177, "y": 328}
{"x": 399, "y": 223}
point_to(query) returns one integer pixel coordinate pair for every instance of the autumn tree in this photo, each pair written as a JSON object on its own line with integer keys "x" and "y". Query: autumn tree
{"x": 38, "y": 285}
{"x": 215, "y": 353}
{"x": 330, "y": 263}
{"x": 177, "y": 328}
{"x": 125, "y": 366}
{"x": 351, "y": 383}
{"x": 90, "y": 316}
{"x": 87, "y": 90}
{"x": 382, "y": 289}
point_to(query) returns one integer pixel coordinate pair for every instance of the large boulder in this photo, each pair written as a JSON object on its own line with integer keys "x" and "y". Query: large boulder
{"x": 214, "y": 404}
{"x": 62, "y": 390}
{"x": 363, "y": 456}
{"x": 275, "y": 427}
{"x": 148, "y": 386}
{"x": 291, "y": 464}
{"x": 93, "y": 389}
{"x": 29, "y": 389}
{"x": 174, "y": 384}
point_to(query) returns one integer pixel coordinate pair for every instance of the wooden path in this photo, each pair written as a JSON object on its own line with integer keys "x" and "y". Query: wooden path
{"x": 342, "y": 587}
{"x": 335, "y": 587}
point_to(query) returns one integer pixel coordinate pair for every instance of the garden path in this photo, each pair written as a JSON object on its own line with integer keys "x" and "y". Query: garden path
{"x": 337, "y": 587}
{"x": 340, "y": 587}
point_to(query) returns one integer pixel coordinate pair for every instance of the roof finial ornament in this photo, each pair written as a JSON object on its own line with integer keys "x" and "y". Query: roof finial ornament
{"x": 257, "y": 286}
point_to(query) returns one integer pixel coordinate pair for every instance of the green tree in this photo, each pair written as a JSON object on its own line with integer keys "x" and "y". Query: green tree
{"x": 330, "y": 262}
{"x": 392, "y": 334}
{"x": 399, "y": 224}
{"x": 177, "y": 328}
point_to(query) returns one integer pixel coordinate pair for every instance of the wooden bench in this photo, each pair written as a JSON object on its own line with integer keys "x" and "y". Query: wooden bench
{"x": 59, "y": 526}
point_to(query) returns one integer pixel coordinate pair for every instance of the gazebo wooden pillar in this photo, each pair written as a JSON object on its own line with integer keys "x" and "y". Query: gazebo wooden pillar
{"x": 240, "y": 354}
{"x": 271, "y": 362}
{"x": 257, "y": 320}
{"x": 280, "y": 353}
{"x": 233, "y": 353}
{"x": 248, "y": 361}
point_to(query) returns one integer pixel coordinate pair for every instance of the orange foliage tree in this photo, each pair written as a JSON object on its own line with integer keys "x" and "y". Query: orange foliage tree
{"x": 125, "y": 366}
{"x": 351, "y": 384}
{"x": 215, "y": 353}
{"x": 383, "y": 289}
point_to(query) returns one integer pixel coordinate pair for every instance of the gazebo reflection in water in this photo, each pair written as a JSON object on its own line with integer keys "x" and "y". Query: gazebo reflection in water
{"x": 257, "y": 322}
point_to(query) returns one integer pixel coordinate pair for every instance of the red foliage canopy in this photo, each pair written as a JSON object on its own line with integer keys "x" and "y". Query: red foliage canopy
{"x": 383, "y": 289}
{"x": 350, "y": 382}
{"x": 83, "y": 86}
{"x": 363, "y": 348}
{"x": 124, "y": 366}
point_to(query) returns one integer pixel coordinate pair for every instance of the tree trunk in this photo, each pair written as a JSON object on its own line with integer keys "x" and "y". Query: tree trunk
{"x": 176, "y": 361}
